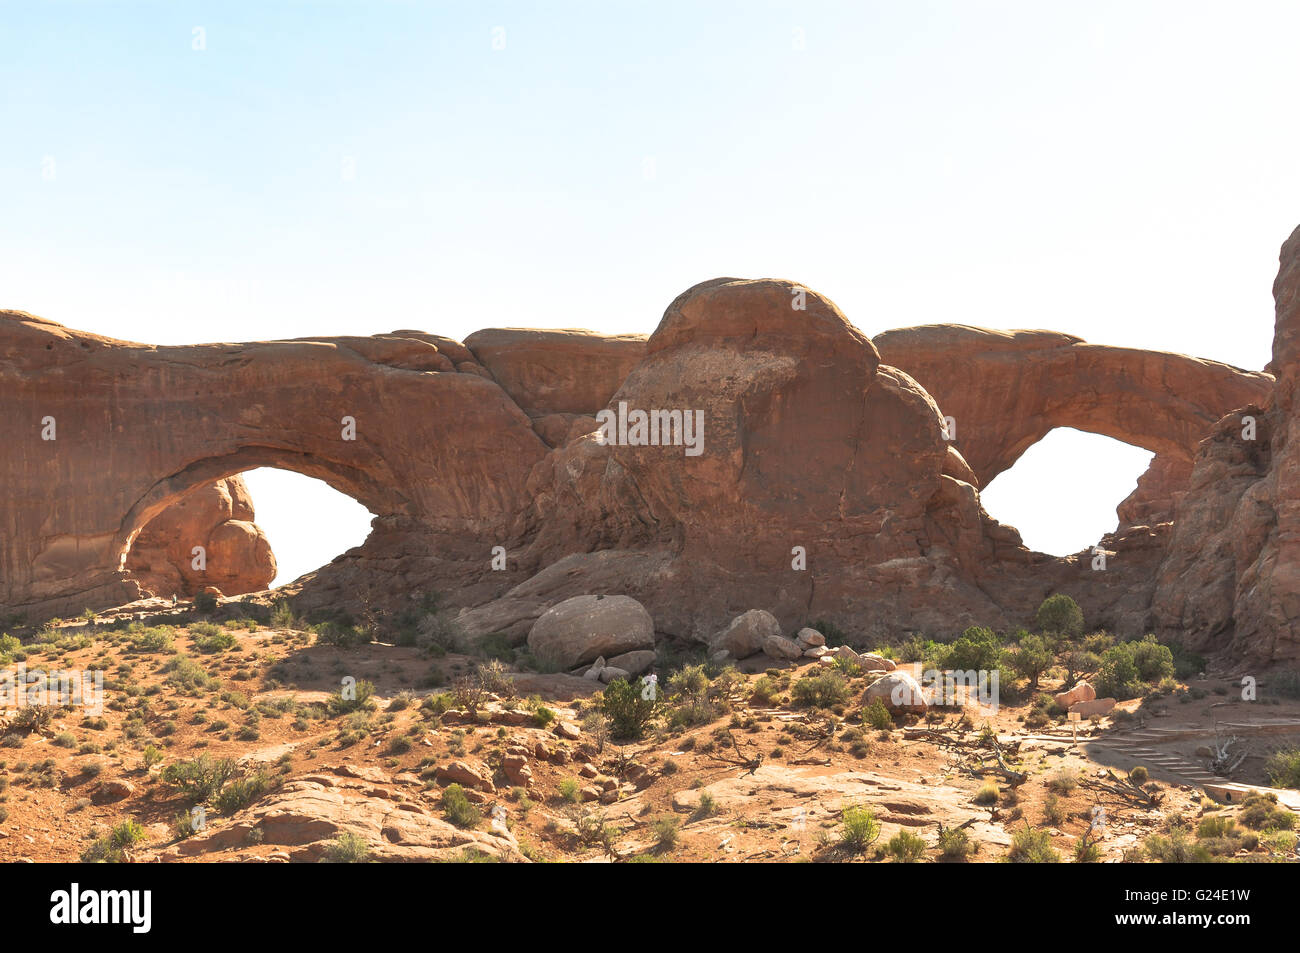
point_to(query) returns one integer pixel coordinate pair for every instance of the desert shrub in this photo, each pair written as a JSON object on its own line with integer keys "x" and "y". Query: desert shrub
{"x": 8, "y": 646}
{"x": 359, "y": 697}
{"x": 569, "y": 790}
{"x": 494, "y": 677}
{"x": 859, "y": 829}
{"x": 282, "y": 616}
{"x": 456, "y": 807}
{"x": 666, "y": 832}
{"x": 1053, "y": 813}
{"x": 201, "y": 779}
{"x": 205, "y": 602}
{"x": 31, "y": 718}
{"x": 764, "y": 690}
{"x": 1260, "y": 812}
{"x": 1187, "y": 664}
{"x": 1029, "y": 846}
{"x": 347, "y": 848}
{"x": 156, "y": 639}
{"x": 1086, "y": 852}
{"x": 1030, "y": 658}
{"x": 439, "y": 633}
{"x": 219, "y": 641}
{"x": 689, "y": 695}
{"x": 877, "y": 716}
{"x": 1064, "y": 781}
{"x": 1283, "y": 768}
{"x": 110, "y": 849}
{"x": 834, "y": 634}
{"x": 706, "y": 807}
{"x": 1129, "y": 669}
{"x": 240, "y": 793}
{"x": 185, "y": 673}
{"x": 542, "y": 715}
{"x": 905, "y": 847}
{"x": 1060, "y": 615}
{"x": 955, "y": 844}
{"x": 341, "y": 635}
{"x": 1139, "y": 775}
{"x": 977, "y": 649}
{"x": 987, "y": 794}
{"x": 1216, "y": 826}
{"x": 820, "y": 691}
{"x": 65, "y": 739}
{"x": 627, "y": 710}
{"x": 1176, "y": 848}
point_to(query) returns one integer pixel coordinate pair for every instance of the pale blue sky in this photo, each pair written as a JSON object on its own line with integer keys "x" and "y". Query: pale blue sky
{"x": 1122, "y": 171}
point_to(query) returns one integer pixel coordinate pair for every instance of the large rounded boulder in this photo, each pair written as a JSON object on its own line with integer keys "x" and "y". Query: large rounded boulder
{"x": 584, "y": 628}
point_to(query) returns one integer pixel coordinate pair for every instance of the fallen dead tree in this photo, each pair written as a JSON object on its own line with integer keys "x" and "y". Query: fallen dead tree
{"x": 974, "y": 753}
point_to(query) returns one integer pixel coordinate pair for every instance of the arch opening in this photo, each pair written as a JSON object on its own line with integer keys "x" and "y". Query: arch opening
{"x": 241, "y": 532}
{"x": 1062, "y": 493}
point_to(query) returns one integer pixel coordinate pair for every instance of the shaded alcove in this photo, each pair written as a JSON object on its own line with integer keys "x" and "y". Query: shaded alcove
{"x": 1062, "y": 492}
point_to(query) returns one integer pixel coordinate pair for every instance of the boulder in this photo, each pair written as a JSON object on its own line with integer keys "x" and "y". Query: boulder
{"x": 810, "y": 637}
{"x": 634, "y": 663}
{"x": 585, "y": 628}
{"x": 1095, "y": 706}
{"x": 781, "y": 648}
{"x": 746, "y": 634}
{"x": 899, "y": 692}
{"x": 1082, "y": 692}
{"x": 871, "y": 662}
{"x": 458, "y": 772}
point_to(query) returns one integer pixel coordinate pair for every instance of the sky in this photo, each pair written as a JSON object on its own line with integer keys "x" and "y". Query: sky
{"x": 185, "y": 172}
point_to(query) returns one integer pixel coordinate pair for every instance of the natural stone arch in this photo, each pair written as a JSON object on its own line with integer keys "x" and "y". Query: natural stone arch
{"x": 379, "y": 499}
{"x": 1007, "y": 390}
{"x": 439, "y": 445}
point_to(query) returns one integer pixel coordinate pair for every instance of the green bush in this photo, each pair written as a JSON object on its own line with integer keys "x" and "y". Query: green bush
{"x": 362, "y": 699}
{"x": 1129, "y": 669}
{"x": 820, "y": 691}
{"x": 1177, "y": 848}
{"x": 1283, "y": 768}
{"x": 199, "y": 780}
{"x": 627, "y": 710}
{"x": 185, "y": 673}
{"x": 110, "y": 848}
{"x": 1260, "y": 812}
{"x": 858, "y": 830}
{"x": 955, "y": 844}
{"x": 1060, "y": 615}
{"x": 219, "y": 641}
{"x": 458, "y": 809}
{"x": 978, "y": 649}
{"x": 156, "y": 639}
{"x": 237, "y": 795}
{"x": 1030, "y": 658}
{"x": 1029, "y": 846}
{"x": 347, "y": 848}
{"x": 905, "y": 847}
{"x": 877, "y": 716}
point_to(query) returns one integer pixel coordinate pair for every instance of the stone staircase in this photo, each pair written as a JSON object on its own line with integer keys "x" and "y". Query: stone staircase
{"x": 1138, "y": 745}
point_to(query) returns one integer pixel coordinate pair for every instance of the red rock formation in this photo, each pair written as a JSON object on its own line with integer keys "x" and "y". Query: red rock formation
{"x": 1006, "y": 390}
{"x": 440, "y": 455}
{"x": 824, "y": 486}
{"x": 218, "y": 517}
